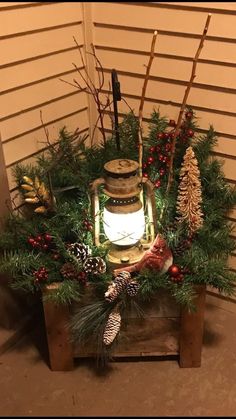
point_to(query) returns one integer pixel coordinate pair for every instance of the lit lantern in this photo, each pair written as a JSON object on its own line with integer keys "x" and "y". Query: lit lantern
{"x": 123, "y": 215}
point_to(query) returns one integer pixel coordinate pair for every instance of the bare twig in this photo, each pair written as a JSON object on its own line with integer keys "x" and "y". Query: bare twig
{"x": 140, "y": 114}
{"x": 190, "y": 83}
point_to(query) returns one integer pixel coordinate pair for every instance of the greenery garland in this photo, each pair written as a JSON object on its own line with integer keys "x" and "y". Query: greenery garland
{"x": 36, "y": 247}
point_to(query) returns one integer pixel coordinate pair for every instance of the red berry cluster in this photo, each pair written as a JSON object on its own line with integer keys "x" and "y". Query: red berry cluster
{"x": 41, "y": 274}
{"x": 177, "y": 273}
{"x": 160, "y": 154}
{"x": 87, "y": 225}
{"x": 41, "y": 242}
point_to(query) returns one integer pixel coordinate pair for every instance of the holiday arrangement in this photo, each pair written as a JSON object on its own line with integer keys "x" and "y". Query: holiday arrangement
{"x": 58, "y": 238}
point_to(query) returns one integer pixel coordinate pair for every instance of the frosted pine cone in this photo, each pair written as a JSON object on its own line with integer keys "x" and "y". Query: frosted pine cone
{"x": 95, "y": 265}
{"x": 80, "y": 250}
{"x": 117, "y": 286}
{"x": 121, "y": 280}
{"x": 132, "y": 288}
{"x": 112, "y": 327}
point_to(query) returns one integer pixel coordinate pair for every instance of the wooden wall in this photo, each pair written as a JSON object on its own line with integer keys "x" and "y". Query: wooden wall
{"x": 37, "y": 49}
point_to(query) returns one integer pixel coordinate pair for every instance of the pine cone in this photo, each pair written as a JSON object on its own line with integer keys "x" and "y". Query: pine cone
{"x": 117, "y": 286}
{"x": 112, "y": 327}
{"x": 80, "y": 250}
{"x": 121, "y": 280}
{"x": 68, "y": 271}
{"x": 132, "y": 288}
{"x": 181, "y": 247}
{"x": 95, "y": 265}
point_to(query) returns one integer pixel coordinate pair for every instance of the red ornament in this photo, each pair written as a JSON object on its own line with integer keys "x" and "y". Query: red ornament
{"x": 161, "y": 157}
{"x": 158, "y": 183}
{"x": 152, "y": 149}
{"x": 190, "y": 133}
{"x": 145, "y": 174}
{"x": 162, "y": 171}
{"x": 150, "y": 160}
{"x": 172, "y": 123}
{"x": 174, "y": 270}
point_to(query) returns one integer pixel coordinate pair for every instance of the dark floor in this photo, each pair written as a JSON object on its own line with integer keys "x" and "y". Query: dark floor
{"x": 155, "y": 388}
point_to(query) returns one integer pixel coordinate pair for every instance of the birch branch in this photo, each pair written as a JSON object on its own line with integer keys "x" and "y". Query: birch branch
{"x": 140, "y": 113}
{"x": 190, "y": 83}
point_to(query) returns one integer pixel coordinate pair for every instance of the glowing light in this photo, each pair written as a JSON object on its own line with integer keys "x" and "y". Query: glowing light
{"x": 124, "y": 229}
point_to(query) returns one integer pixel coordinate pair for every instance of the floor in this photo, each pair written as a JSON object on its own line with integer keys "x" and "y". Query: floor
{"x": 147, "y": 388}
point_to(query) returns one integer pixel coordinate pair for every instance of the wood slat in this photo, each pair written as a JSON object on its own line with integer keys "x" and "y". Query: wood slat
{"x": 32, "y": 71}
{"x": 173, "y": 91}
{"x": 171, "y": 43}
{"x": 163, "y": 19}
{"x": 31, "y": 143}
{"x": 36, "y": 94}
{"x": 206, "y": 118}
{"x": 170, "y": 68}
{"x": 33, "y": 18}
{"x": 35, "y": 44}
{"x": 29, "y": 121}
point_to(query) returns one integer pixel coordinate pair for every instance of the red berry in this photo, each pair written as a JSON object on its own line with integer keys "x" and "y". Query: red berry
{"x": 45, "y": 247}
{"x": 161, "y": 157}
{"x": 47, "y": 237}
{"x": 55, "y": 256}
{"x": 144, "y": 165}
{"x": 189, "y": 115}
{"x": 167, "y": 147}
{"x": 190, "y": 133}
{"x": 162, "y": 172}
{"x": 145, "y": 175}
{"x": 166, "y": 135}
{"x": 160, "y": 135}
{"x": 38, "y": 238}
{"x": 158, "y": 149}
{"x": 157, "y": 183}
{"x": 172, "y": 135}
{"x": 150, "y": 160}
{"x": 89, "y": 227}
{"x": 172, "y": 123}
{"x": 35, "y": 244}
{"x": 164, "y": 159}
{"x": 31, "y": 240}
{"x": 152, "y": 149}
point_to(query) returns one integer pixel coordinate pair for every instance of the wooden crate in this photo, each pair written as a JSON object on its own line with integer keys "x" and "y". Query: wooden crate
{"x": 165, "y": 330}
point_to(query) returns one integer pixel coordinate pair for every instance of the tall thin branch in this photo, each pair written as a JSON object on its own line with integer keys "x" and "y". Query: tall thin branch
{"x": 140, "y": 113}
{"x": 190, "y": 83}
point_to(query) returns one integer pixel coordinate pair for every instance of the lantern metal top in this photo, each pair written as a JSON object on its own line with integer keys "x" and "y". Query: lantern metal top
{"x": 121, "y": 167}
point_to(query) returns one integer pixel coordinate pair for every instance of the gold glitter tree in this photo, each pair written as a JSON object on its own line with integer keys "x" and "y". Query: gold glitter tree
{"x": 189, "y": 193}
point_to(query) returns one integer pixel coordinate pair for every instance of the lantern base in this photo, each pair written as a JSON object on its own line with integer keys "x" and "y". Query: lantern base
{"x": 125, "y": 255}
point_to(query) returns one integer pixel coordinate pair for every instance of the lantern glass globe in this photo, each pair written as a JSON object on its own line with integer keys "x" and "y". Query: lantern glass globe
{"x": 124, "y": 229}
